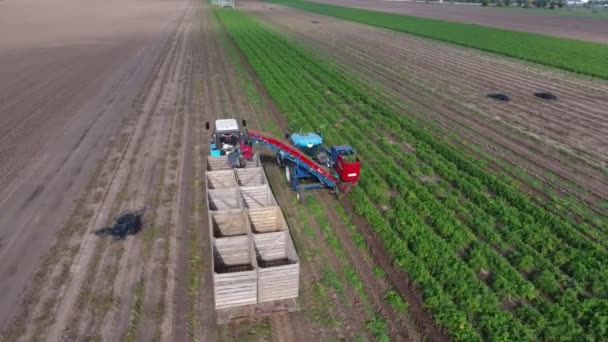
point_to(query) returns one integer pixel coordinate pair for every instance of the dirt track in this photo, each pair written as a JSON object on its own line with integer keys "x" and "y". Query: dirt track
{"x": 592, "y": 29}
{"x": 69, "y": 73}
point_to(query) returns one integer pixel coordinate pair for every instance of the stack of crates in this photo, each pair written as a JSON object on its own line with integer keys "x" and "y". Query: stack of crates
{"x": 254, "y": 258}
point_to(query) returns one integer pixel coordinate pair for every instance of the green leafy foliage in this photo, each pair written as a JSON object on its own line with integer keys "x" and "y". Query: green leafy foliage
{"x": 395, "y": 300}
{"x": 491, "y": 263}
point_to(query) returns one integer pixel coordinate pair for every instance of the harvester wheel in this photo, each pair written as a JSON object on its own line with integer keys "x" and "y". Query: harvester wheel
{"x": 279, "y": 163}
{"x": 300, "y": 195}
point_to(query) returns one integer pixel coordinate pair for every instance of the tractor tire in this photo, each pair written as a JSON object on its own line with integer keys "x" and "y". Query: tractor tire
{"x": 279, "y": 161}
{"x": 300, "y": 195}
{"x": 288, "y": 174}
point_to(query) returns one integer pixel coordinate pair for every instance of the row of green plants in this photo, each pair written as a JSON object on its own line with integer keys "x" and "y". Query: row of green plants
{"x": 376, "y": 324}
{"x": 561, "y": 192}
{"x": 490, "y": 262}
{"x": 569, "y": 54}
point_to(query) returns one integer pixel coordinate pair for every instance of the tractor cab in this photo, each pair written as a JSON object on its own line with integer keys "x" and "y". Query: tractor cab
{"x": 227, "y": 137}
{"x": 311, "y": 144}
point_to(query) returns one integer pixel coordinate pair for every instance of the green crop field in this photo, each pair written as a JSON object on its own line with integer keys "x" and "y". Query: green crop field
{"x": 573, "y": 55}
{"x": 491, "y": 263}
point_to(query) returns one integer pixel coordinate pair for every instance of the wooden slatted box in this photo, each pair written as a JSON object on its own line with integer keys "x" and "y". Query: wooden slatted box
{"x": 229, "y": 223}
{"x": 217, "y": 163}
{"x": 257, "y": 196}
{"x": 221, "y": 179}
{"x": 278, "y": 266}
{"x": 251, "y": 176}
{"x": 224, "y": 199}
{"x": 234, "y": 272}
{"x": 265, "y": 220}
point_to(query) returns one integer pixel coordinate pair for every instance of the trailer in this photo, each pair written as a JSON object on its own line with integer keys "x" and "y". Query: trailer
{"x": 254, "y": 263}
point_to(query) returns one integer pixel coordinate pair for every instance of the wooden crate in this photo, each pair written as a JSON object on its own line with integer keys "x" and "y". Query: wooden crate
{"x": 254, "y": 162}
{"x": 224, "y": 199}
{"x": 278, "y": 266}
{"x": 246, "y": 225}
{"x": 234, "y": 272}
{"x": 265, "y": 220}
{"x": 257, "y": 196}
{"x": 221, "y": 179}
{"x": 217, "y": 163}
{"x": 251, "y": 176}
{"x": 229, "y": 223}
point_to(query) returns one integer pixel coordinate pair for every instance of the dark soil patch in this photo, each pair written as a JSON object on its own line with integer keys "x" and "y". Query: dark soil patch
{"x": 546, "y": 96}
{"x": 499, "y": 97}
{"x": 128, "y": 223}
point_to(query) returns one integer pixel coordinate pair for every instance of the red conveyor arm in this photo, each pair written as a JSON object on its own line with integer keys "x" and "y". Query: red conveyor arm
{"x": 304, "y": 159}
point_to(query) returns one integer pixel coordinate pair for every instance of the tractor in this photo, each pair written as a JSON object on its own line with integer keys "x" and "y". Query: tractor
{"x": 229, "y": 138}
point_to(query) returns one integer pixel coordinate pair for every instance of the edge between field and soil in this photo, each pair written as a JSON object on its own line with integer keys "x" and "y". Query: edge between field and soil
{"x": 578, "y": 56}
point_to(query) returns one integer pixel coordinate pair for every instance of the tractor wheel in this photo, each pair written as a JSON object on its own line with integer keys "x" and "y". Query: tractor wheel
{"x": 279, "y": 162}
{"x": 300, "y": 195}
{"x": 288, "y": 174}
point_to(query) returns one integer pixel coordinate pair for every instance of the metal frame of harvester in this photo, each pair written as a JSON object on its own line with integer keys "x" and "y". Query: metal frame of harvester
{"x": 301, "y": 171}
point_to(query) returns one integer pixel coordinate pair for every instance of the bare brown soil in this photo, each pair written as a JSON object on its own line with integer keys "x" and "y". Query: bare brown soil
{"x": 70, "y": 71}
{"x": 593, "y": 29}
{"x": 449, "y": 85}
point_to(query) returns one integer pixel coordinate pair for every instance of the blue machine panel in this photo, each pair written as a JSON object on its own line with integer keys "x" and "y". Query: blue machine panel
{"x": 306, "y": 139}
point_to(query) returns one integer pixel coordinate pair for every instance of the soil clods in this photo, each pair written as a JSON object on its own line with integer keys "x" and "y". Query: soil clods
{"x": 546, "y": 95}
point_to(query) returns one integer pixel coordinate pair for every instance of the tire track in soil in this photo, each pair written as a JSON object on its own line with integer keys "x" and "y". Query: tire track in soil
{"x": 177, "y": 175}
{"x": 363, "y": 263}
{"x": 182, "y": 209}
{"x": 147, "y": 276}
{"x": 58, "y": 266}
{"x": 310, "y": 272}
{"x": 140, "y": 191}
{"x": 14, "y": 153}
{"x": 105, "y": 195}
{"x": 50, "y": 282}
{"x": 347, "y": 53}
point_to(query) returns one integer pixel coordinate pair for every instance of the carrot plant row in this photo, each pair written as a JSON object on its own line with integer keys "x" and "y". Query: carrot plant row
{"x": 490, "y": 262}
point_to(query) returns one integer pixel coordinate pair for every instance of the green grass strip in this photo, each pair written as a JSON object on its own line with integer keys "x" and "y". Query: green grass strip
{"x": 569, "y": 54}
